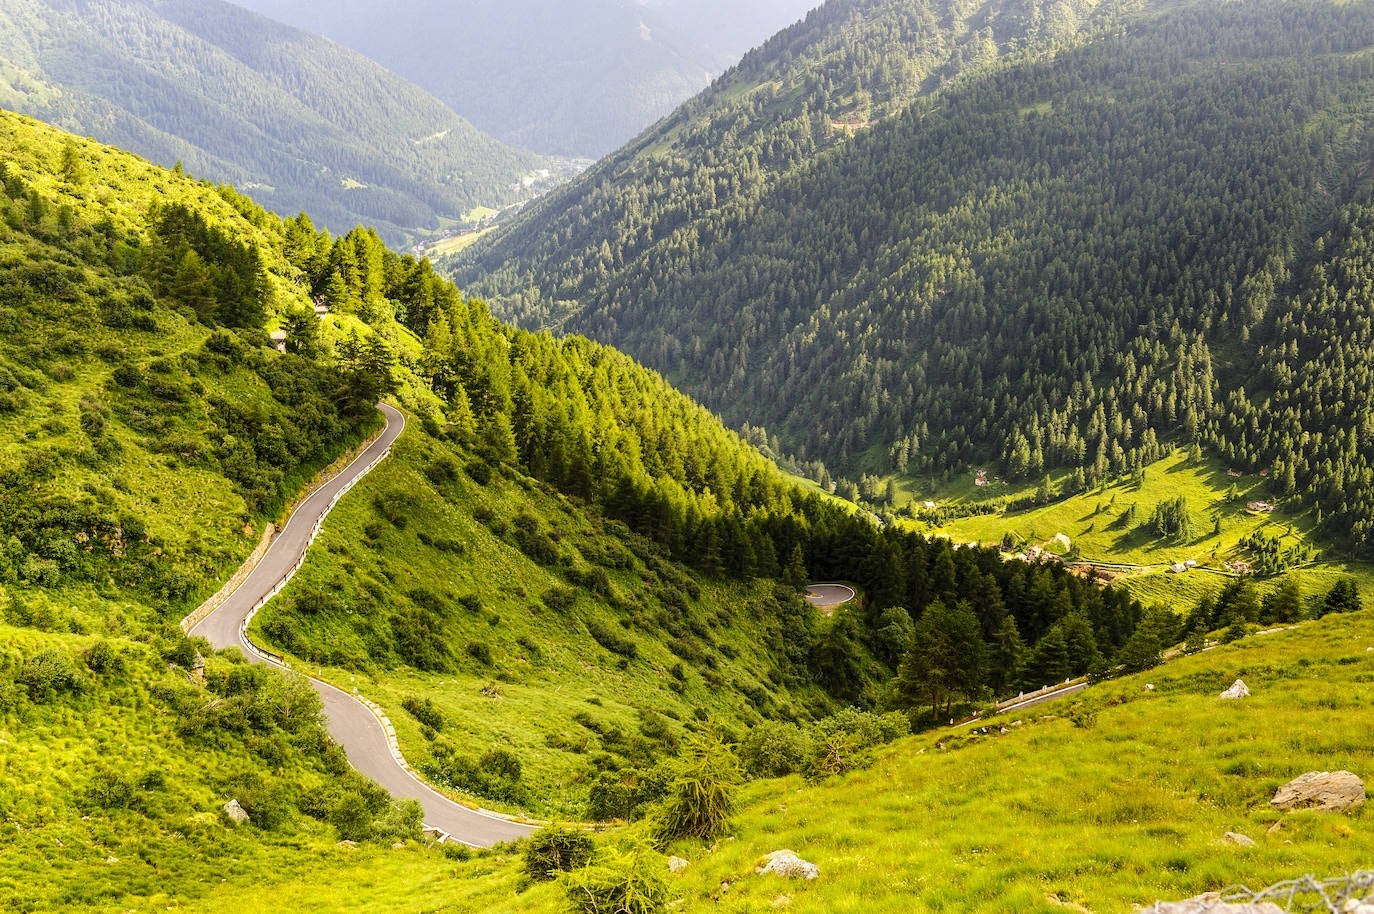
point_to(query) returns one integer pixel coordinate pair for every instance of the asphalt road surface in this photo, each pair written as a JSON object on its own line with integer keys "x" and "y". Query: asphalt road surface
{"x": 351, "y": 723}
{"x": 828, "y": 595}
{"x": 1041, "y": 699}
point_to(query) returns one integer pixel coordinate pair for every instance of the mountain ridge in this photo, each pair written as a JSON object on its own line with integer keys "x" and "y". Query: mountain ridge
{"x": 577, "y": 80}
{"x": 299, "y": 123}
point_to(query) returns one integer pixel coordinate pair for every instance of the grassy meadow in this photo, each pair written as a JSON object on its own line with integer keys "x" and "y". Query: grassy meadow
{"x": 1110, "y": 524}
{"x": 1102, "y": 803}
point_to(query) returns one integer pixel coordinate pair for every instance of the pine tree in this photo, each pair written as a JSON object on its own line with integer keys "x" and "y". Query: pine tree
{"x": 947, "y": 659}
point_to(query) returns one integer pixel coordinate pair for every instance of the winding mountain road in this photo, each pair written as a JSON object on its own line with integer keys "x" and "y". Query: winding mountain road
{"x": 352, "y": 724}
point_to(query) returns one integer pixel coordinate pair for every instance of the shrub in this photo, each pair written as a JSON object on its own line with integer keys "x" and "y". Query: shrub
{"x": 401, "y": 820}
{"x": 556, "y": 849}
{"x": 479, "y": 651}
{"x": 441, "y": 471}
{"x": 560, "y": 599}
{"x": 266, "y": 801}
{"x": 623, "y": 794}
{"x": 616, "y": 644}
{"x": 103, "y": 658}
{"x": 701, "y": 794}
{"x": 773, "y": 749}
{"x": 177, "y": 648}
{"x": 535, "y": 544}
{"x": 841, "y": 742}
{"x": 425, "y": 711}
{"x": 108, "y": 789}
{"x": 629, "y": 881}
{"x": 503, "y": 764}
{"x": 479, "y": 471}
{"x": 50, "y": 673}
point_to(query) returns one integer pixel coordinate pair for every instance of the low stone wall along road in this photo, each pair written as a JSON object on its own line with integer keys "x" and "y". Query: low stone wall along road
{"x": 353, "y": 724}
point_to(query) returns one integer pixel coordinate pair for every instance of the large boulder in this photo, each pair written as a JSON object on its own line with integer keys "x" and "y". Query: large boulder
{"x": 1237, "y": 690}
{"x": 788, "y": 865}
{"x": 1332, "y": 790}
{"x": 236, "y": 813}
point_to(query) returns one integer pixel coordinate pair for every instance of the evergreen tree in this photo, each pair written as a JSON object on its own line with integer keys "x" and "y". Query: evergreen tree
{"x": 1284, "y": 603}
{"x": 946, "y": 661}
{"x": 1343, "y": 597}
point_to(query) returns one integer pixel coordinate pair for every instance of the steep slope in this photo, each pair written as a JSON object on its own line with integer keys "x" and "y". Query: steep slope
{"x": 809, "y": 89}
{"x": 143, "y": 450}
{"x": 1060, "y": 261}
{"x": 567, "y": 572}
{"x": 564, "y": 530}
{"x": 1105, "y": 805}
{"x": 570, "y": 79}
{"x": 296, "y": 121}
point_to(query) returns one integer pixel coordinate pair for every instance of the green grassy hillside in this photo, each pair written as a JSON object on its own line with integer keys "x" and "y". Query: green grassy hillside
{"x": 525, "y": 622}
{"x": 121, "y": 405}
{"x": 1104, "y": 803}
{"x": 1110, "y": 527}
{"x": 567, "y": 577}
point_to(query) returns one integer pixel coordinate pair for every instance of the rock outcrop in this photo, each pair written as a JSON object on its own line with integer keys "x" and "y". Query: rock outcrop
{"x": 1237, "y": 690}
{"x": 236, "y": 813}
{"x": 788, "y": 865}
{"x": 1332, "y": 790}
{"x": 1238, "y": 839}
{"x": 1210, "y": 904}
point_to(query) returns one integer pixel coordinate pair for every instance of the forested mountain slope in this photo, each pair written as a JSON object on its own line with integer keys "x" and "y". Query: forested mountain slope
{"x": 1144, "y": 233}
{"x": 576, "y": 78}
{"x": 809, "y": 89}
{"x": 295, "y": 120}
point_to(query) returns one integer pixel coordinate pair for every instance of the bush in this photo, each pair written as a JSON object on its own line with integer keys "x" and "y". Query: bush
{"x": 701, "y": 794}
{"x": 479, "y": 651}
{"x": 560, "y": 599}
{"x": 266, "y": 801}
{"x": 50, "y": 673}
{"x": 868, "y": 728}
{"x": 624, "y": 794}
{"x": 842, "y": 742}
{"x": 556, "y": 849}
{"x": 354, "y": 805}
{"x": 108, "y": 789}
{"x": 401, "y": 820}
{"x": 536, "y": 544}
{"x": 479, "y": 471}
{"x": 502, "y": 764}
{"x": 773, "y": 749}
{"x": 103, "y": 658}
{"x": 424, "y": 710}
{"x": 629, "y": 881}
{"x": 177, "y": 648}
{"x": 616, "y": 644}
{"x": 442, "y": 471}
